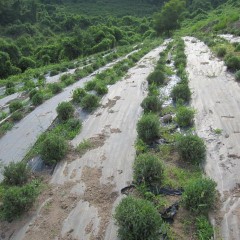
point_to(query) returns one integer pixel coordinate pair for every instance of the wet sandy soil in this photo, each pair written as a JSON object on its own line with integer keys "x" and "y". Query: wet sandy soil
{"x": 216, "y": 97}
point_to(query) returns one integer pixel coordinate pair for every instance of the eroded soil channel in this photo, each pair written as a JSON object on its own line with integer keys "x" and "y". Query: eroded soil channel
{"x": 94, "y": 179}
{"x": 216, "y": 97}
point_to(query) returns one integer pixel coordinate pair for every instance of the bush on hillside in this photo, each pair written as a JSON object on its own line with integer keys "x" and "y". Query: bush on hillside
{"x": 38, "y": 98}
{"x": 181, "y": 92}
{"x": 233, "y": 63}
{"x": 65, "y": 111}
{"x": 53, "y": 148}
{"x": 148, "y": 169}
{"x": 90, "y": 102}
{"x": 199, "y": 195}
{"x": 184, "y": 116}
{"x": 78, "y": 94}
{"x": 148, "y": 127}
{"x": 55, "y": 88}
{"x": 151, "y": 104}
{"x": 17, "y": 200}
{"x": 17, "y": 116}
{"x": 204, "y": 228}
{"x": 191, "y": 148}
{"x": 16, "y": 173}
{"x": 237, "y": 76}
{"x": 101, "y": 89}
{"x": 221, "y": 52}
{"x": 157, "y": 77}
{"x": 137, "y": 219}
{"x": 15, "y": 105}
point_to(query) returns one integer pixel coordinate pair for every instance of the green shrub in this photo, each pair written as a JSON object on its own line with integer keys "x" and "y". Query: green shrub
{"x": 65, "y": 111}
{"x": 233, "y": 63}
{"x": 16, "y": 173}
{"x": 78, "y": 94}
{"x": 15, "y": 105}
{"x": 181, "y": 92}
{"x": 237, "y": 76}
{"x": 199, "y": 195}
{"x": 101, "y": 89}
{"x": 184, "y": 116}
{"x": 148, "y": 127}
{"x": 204, "y": 228}
{"x": 137, "y": 219}
{"x": 151, "y": 104}
{"x": 32, "y": 93}
{"x": 221, "y": 52}
{"x": 157, "y": 77}
{"x": 55, "y": 88}
{"x": 90, "y": 102}
{"x": 37, "y": 99}
{"x": 191, "y": 148}
{"x": 17, "y": 116}
{"x": 53, "y": 148}
{"x": 148, "y": 169}
{"x": 90, "y": 85}
{"x": 53, "y": 73}
{"x": 10, "y": 91}
{"x": 17, "y": 200}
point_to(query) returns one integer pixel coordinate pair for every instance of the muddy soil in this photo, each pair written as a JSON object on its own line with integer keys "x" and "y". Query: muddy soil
{"x": 17, "y": 142}
{"x": 96, "y": 177}
{"x": 216, "y": 97}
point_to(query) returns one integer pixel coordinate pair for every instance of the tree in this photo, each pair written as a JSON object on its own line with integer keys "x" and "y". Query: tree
{"x": 170, "y": 15}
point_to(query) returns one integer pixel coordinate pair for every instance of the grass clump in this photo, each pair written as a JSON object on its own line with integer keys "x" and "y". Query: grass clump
{"x": 55, "y": 88}
{"x": 37, "y": 99}
{"x": 237, "y": 76}
{"x": 16, "y": 174}
{"x": 148, "y": 169}
{"x": 233, "y": 63}
{"x": 78, "y": 94}
{"x": 157, "y": 77}
{"x": 65, "y": 111}
{"x": 137, "y": 219}
{"x": 151, "y": 104}
{"x": 84, "y": 146}
{"x": 191, "y": 148}
{"x": 221, "y": 52}
{"x": 15, "y": 105}
{"x": 90, "y": 102}
{"x": 148, "y": 127}
{"x": 204, "y": 228}
{"x": 17, "y": 116}
{"x": 184, "y": 116}
{"x": 53, "y": 148}
{"x": 181, "y": 92}
{"x": 16, "y": 200}
{"x": 199, "y": 195}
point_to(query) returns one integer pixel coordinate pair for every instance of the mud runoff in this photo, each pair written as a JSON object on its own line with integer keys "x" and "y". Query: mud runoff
{"x": 216, "y": 97}
{"x": 92, "y": 181}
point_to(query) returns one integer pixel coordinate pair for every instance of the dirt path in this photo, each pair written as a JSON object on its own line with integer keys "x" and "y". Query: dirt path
{"x": 216, "y": 96}
{"x": 16, "y": 143}
{"x": 95, "y": 179}
{"x": 231, "y": 38}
